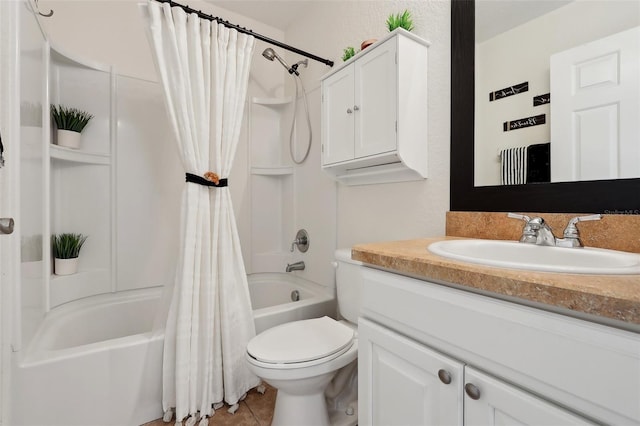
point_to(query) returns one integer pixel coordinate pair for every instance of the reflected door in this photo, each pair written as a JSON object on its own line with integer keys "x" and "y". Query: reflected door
{"x": 595, "y": 110}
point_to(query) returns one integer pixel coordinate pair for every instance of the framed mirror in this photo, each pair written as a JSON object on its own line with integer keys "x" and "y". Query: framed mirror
{"x": 613, "y": 196}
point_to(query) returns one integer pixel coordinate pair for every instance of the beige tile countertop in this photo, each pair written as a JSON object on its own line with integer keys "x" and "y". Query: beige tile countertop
{"x": 605, "y": 297}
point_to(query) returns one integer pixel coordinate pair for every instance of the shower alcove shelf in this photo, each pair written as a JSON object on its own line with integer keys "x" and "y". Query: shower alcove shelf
{"x": 272, "y": 219}
{"x": 81, "y": 180}
{"x": 88, "y": 189}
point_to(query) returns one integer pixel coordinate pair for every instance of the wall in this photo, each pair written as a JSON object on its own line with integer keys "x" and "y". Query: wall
{"x": 399, "y": 210}
{"x": 522, "y": 54}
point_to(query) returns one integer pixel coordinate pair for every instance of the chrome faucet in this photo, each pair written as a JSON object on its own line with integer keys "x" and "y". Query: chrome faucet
{"x": 298, "y": 266}
{"x": 537, "y": 231}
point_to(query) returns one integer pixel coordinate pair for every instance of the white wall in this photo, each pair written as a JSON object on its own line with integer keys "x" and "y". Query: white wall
{"x": 522, "y": 54}
{"x": 387, "y": 211}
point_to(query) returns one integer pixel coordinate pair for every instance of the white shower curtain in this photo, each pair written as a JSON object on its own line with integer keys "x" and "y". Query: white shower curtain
{"x": 204, "y": 70}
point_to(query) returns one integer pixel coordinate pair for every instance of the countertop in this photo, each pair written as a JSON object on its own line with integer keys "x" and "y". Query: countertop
{"x": 612, "y": 297}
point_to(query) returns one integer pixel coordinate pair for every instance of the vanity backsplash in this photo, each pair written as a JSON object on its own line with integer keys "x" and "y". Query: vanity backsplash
{"x": 613, "y": 231}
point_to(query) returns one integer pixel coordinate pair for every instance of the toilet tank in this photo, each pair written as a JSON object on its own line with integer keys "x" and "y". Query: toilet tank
{"x": 348, "y": 285}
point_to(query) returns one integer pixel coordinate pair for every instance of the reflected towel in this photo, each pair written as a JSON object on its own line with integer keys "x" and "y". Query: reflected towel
{"x": 513, "y": 166}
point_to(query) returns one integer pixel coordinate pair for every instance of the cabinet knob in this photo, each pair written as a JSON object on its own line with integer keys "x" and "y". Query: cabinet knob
{"x": 472, "y": 390}
{"x": 349, "y": 111}
{"x": 445, "y": 376}
{"x": 356, "y": 108}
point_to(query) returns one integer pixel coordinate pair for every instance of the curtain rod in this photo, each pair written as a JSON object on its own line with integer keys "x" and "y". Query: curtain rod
{"x": 247, "y": 31}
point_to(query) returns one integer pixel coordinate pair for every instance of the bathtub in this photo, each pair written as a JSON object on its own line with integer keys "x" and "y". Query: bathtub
{"x": 271, "y": 298}
{"x": 98, "y": 361}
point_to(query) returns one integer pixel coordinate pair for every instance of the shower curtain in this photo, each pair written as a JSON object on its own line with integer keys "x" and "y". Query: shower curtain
{"x": 204, "y": 70}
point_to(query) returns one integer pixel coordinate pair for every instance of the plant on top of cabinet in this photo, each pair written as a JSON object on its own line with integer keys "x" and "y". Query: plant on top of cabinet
{"x": 66, "y": 249}
{"x": 400, "y": 20}
{"x": 348, "y": 53}
{"x": 70, "y": 122}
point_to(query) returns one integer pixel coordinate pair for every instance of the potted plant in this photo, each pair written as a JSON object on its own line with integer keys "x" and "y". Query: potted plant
{"x": 348, "y": 53}
{"x": 400, "y": 20}
{"x": 66, "y": 249}
{"x": 70, "y": 123}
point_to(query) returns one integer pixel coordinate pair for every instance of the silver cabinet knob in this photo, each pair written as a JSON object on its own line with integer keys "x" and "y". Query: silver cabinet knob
{"x": 349, "y": 111}
{"x": 356, "y": 108}
{"x": 6, "y": 225}
{"x": 444, "y": 376}
{"x": 472, "y": 390}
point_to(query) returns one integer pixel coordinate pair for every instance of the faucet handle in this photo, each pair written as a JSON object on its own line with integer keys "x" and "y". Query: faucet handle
{"x": 529, "y": 234}
{"x": 519, "y": 216}
{"x": 571, "y": 231}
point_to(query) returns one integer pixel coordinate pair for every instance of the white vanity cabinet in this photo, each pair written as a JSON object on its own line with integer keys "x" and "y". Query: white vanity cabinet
{"x": 505, "y": 363}
{"x": 374, "y": 113}
{"x": 402, "y": 382}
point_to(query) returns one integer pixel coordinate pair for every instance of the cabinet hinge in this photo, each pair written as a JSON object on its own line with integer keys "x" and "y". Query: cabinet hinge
{"x": 396, "y": 126}
{"x": 322, "y": 148}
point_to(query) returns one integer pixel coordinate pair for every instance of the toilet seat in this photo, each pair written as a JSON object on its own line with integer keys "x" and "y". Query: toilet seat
{"x": 301, "y": 343}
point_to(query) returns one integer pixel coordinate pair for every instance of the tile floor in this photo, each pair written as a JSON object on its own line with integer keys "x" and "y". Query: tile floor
{"x": 255, "y": 410}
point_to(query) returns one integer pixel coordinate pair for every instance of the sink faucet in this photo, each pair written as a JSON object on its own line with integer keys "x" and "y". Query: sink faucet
{"x": 298, "y": 266}
{"x": 537, "y": 231}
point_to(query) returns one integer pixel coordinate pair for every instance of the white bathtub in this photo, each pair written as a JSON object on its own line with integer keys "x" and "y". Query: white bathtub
{"x": 97, "y": 361}
{"x": 272, "y": 304}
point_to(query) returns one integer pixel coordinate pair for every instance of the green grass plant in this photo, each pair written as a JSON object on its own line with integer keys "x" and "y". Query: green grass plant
{"x": 67, "y": 245}
{"x": 348, "y": 53}
{"x": 400, "y": 20}
{"x": 67, "y": 118}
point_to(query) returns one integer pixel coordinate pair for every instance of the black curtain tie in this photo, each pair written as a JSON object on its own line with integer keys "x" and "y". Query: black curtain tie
{"x": 190, "y": 177}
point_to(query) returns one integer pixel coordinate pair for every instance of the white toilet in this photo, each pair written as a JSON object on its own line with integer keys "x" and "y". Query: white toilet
{"x": 301, "y": 358}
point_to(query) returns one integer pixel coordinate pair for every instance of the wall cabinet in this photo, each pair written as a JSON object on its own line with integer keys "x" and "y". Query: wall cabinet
{"x": 435, "y": 355}
{"x": 374, "y": 113}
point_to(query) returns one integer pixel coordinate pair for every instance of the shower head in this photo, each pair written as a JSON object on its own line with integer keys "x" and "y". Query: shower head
{"x": 270, "y": 54}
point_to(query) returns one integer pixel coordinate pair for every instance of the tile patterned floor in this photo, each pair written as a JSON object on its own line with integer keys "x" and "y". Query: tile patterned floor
{"x": 255, "y": 410}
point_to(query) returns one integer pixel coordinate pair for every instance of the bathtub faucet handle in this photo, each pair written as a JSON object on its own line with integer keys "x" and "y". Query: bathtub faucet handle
{"x": 301, "y": 241}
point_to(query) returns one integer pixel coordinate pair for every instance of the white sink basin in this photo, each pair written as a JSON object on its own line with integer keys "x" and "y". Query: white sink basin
{"x": 515, "y": 255}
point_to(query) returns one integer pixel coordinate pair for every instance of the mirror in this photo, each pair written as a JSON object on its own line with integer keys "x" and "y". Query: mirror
{"x": 609, "y": 196}
{"x": 524, "y": 58}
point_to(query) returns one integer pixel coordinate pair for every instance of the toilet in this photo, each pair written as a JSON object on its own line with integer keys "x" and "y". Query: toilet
{"x": 301, "y": 358}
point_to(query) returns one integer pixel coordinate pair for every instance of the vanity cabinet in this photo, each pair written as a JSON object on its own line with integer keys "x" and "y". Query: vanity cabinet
{"x": 411, "y": 384}
{"x": 504, "y": 363}
{"x": 374, "y": 113}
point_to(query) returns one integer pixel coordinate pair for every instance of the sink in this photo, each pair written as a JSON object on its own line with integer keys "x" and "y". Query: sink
{"x": 515, "y": 255}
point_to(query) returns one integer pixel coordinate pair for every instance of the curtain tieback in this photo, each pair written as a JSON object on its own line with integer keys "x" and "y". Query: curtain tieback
{"x": 209, "y": 179}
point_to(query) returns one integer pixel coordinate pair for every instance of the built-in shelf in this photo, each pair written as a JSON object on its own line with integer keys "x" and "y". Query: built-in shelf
{"x": 273, "y": 101}
{"x": 78, "y": 156}
{"x": 272, "y": 171}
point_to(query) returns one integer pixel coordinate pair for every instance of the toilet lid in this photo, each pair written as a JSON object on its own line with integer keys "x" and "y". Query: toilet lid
{"x": 300, "y": 341}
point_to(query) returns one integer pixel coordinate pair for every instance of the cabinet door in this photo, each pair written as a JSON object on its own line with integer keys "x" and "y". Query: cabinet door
{"x": 399, "y": 382}
{"x": 376, "y": 100}
{"x": 337, "y": 117}
{"x": 489, "y": 401}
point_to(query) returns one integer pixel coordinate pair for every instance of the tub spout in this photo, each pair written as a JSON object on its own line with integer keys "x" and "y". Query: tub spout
{"x": 298, "y": 266}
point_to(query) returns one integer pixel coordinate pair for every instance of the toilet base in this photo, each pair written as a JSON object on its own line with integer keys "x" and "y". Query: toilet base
{"x": 301, "y": 402}
{"x": 296, "y": 410}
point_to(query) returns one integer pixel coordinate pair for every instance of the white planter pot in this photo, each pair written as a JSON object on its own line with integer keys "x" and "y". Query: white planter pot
{"x": 68, "y": 139}
{"x": 65, "y": 266}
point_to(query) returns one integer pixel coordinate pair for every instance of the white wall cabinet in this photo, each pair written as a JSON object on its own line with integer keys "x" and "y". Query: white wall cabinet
{"x": 374, "y": 113}
{"x": 508, "y": 363}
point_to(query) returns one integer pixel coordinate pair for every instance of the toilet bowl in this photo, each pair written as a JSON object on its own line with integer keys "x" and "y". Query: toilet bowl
{"x": 301, "y": 358}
